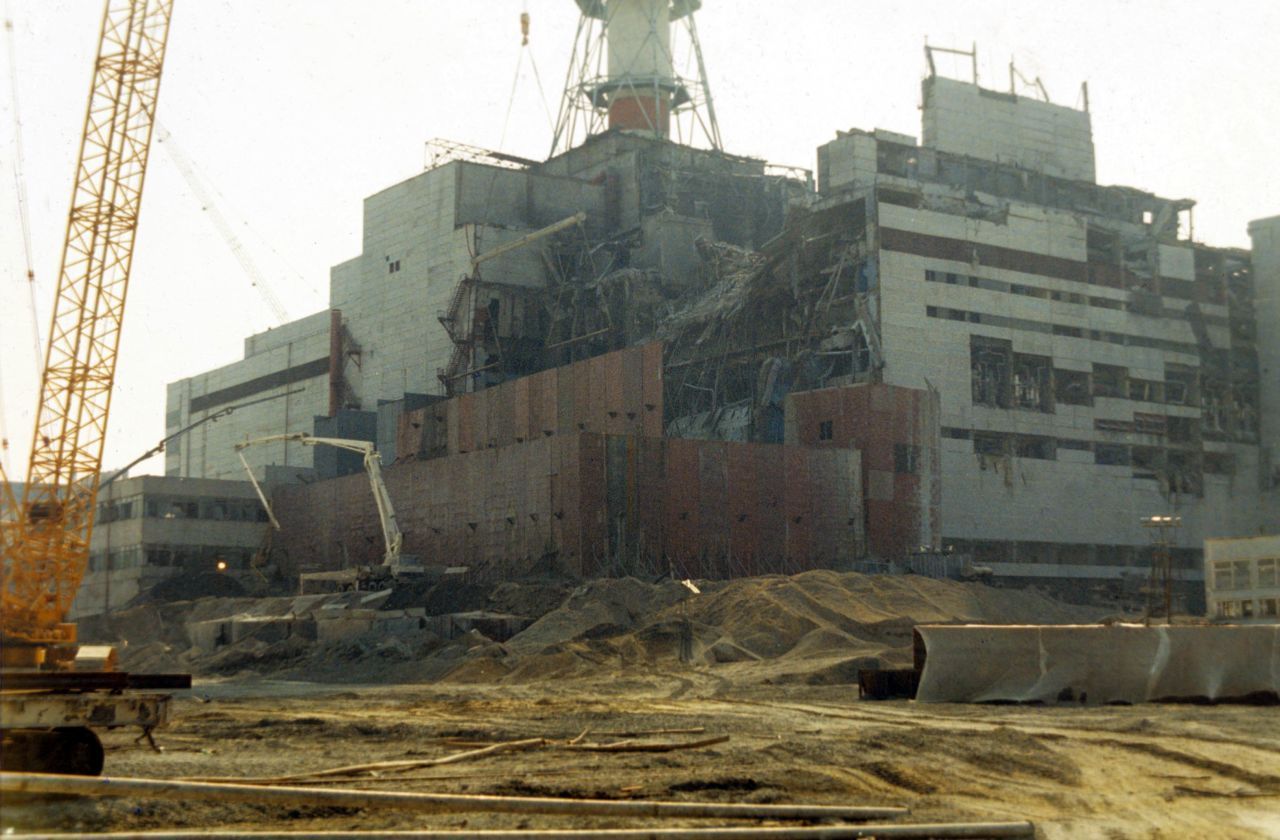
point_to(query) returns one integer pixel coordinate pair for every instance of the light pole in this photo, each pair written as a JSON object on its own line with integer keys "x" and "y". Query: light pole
{"x": 1161, "y": 562}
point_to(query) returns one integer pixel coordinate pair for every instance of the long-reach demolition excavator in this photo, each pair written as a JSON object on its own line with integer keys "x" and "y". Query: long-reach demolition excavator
{"x": 54, "y": 692}
{"x": 395, "y": 565}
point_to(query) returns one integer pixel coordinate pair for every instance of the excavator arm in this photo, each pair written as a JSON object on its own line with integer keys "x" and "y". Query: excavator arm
{"x": 391, "y": 533}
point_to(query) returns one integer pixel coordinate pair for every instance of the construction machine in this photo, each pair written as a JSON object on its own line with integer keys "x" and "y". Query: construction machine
{"x": 395, "y": 565}
{"x": 54, "y": 691}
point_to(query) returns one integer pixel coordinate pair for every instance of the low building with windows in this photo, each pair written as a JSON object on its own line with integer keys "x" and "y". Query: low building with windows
{"x": 1242, "y": 579}
{"x": 151, "y": 528}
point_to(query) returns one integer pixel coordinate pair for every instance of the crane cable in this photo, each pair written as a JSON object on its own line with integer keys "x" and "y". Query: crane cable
{"x": 515, "y": 83}
{"x": 213, "y": 213}
{"x": 20, "y": 183}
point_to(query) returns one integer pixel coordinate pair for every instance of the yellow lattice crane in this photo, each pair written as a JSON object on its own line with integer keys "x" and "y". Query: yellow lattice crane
{"x": 44, "y": 534}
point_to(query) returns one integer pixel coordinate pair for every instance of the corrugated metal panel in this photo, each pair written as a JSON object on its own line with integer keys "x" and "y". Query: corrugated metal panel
{"x": 796, "y": 504}
{"x": 613, "y": 406}
{"x": 651, "y": 388}
{"x": 465, "y": 426}
{"x": 682, "y": 523}
{"x": 713, "y": 504}
{"x": 771, "y": 508}
{"x": 566, "y": 400}
{"x": 516, "y": 430}
{"x": 592, "y": 506}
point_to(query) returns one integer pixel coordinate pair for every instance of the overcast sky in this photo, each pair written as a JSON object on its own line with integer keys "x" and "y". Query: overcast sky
{"x": 294, "y": 110}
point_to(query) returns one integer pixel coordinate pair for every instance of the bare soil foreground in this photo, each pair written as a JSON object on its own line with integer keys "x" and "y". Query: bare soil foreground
{"x": 1115, "y": 772}
{"x": 765, "y": 668}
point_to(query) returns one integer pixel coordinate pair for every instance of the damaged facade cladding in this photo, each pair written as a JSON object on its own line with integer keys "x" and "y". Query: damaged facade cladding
{"x": 558, "y": 472}
{"x": 1075, "y": 360}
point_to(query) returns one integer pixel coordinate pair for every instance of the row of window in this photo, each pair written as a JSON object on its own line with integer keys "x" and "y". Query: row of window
{"x": 1248, "y": 608}
{"x": 1002, "y": 378}
{"x": 177, "y": 507}
{"x": 1042, "y": 293}
{"x": 1262, "y": 573}
{"x": 1075, "y": 554}
{"x": 1123, "y": 339}
{"x": 1044, "y": 447}
{"x": 190, "y": 557}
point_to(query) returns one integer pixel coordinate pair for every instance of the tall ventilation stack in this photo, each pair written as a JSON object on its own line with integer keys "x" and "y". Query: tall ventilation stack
{"x": 623, "y": 74}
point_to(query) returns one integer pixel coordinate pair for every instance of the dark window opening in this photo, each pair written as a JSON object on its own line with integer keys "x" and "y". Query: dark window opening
{"x": 991, "y": 361}
{"x": 825, "y": 430}
{"x": 906, "y": 459}
{"x": 1184, "y": 473}
{"x": 1219, "y": 463}
{"x": 1032, "y": 376}
{"x": 1110, "y": 454}
{"x": 1110, "y": 381}
{"x": 1147, "y": 461}
{"x": 1146, "y": 390}
{"x": 1183, "y": 429}
{"x": 1036, "y": 446}
{"x": 1071, "y": 387}
{"x": 990, "y": 443}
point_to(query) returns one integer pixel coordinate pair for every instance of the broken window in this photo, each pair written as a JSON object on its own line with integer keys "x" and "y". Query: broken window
{"x": 1071, "y": 387}
{"x": 1032, "y": 376}
{"x": 1267, "y": 570}
{"x": 1182, "y": 429}
{"x": 1147, "y": 461}
{"x": 990, "y": 443}
{"x": 825, "y": 431}
{"x": 1180, "y": 386}
{"x": 1214, "y": 404}
{"x": 1146, "y": 390}
{"x": 906, "y": 459}
{"x": 1111, "y": 454}
{"x": 1219, "y": 463}
{"x": 991, "y": 361}
{"x": 1184, "y": 474}
{"x": 1101, "y": 245}
{"x": 1149, "y": 424}
{"x": 1036, "y": 446}
{"x": 1110, "y": 381}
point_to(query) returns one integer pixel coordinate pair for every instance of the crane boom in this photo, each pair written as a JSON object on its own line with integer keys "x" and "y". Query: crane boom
{"x": 256, "y": 278}
{"x": 49, "y": 533}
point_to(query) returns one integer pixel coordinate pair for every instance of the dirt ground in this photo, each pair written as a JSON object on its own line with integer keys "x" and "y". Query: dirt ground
{"x": 1155, "y": 771}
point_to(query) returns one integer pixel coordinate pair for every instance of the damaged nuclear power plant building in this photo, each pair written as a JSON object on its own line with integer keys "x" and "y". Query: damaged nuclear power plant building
{"x": 956, "y": 353}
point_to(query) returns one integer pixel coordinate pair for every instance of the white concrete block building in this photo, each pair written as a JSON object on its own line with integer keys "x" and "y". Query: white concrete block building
{"x": 1242, "y": 579}
{"x": 1094, "y": 364}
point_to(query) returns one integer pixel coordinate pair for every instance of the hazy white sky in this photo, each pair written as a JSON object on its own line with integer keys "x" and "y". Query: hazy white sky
{"x": 294, "y": 110}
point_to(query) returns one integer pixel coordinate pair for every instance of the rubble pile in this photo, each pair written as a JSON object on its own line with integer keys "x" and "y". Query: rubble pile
{"x": 815, "y": 627}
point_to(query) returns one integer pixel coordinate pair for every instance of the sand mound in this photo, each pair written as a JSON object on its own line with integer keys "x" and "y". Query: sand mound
{"x": 816, "y": 627}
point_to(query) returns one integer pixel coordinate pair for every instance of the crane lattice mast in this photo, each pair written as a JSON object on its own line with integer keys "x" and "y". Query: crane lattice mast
{"x": 47, "y": 538}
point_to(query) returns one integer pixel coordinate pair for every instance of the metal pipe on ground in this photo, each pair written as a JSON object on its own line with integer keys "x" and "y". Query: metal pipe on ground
{"x": 46, "y": 783}
{"x": 920, "y": 831}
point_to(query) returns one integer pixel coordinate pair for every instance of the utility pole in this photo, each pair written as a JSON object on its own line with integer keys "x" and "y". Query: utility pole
{"x": 1161, "y": 563}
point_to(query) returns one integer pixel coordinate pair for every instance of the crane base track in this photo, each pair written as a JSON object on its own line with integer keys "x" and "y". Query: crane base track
{"x": 50, "y": 710}
{"x": 72, "y": 750}
{"x": 90, "y": 681}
